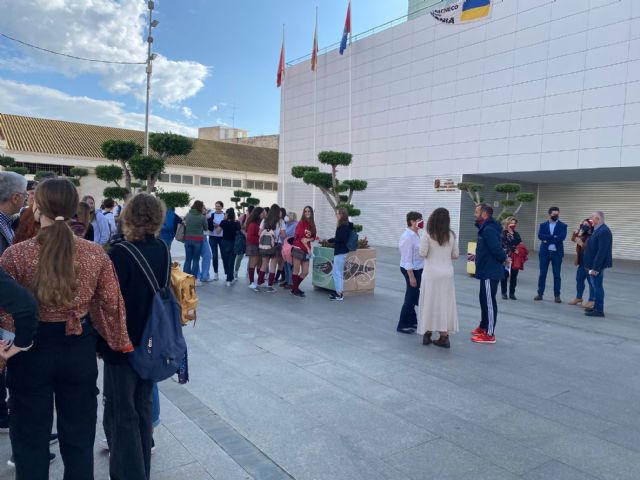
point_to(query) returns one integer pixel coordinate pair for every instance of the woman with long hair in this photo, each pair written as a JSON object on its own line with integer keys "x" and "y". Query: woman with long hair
{"x": 304, "y": 235}
{"x": 270, "y": 231}
{"x": 252, "y": 251}
{"x": 230, "y": 228}
{"x": 195, "y": 223}
{"x": 340, "y": 251}
{"x": 74, "y": 282}
{"x": 438, "y": 310}
{"x": 128, "y": 416}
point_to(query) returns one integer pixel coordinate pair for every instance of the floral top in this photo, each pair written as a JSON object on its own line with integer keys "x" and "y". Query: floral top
{"x": 98, "y": 291}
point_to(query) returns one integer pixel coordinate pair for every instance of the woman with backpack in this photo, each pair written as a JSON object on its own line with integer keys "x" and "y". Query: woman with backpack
{"x": 128, "y": 412}
{"x": 304, "y": 235}
{"x": 252, "y": 251}
{"x": 340, "y": 251}
{"x": 230, "y": 229}
{"x": 270, "y": 231}
{"x": 286, "y": 250}
{"x": 74, "y": 282}
{"x": 195, "y": 224}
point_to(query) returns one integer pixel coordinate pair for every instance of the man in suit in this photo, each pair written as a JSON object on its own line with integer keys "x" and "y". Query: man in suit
{"x": 597, "y": 257}
{"x": 551, "y": 235}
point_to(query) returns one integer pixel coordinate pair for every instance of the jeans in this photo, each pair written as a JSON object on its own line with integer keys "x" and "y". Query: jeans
{"x": 288, "y": 273}
{"x": 215, "y": 242}
{"x": 237, "y": 262}
{"x": 192, "y": 250}
{"x": 598, "y": 290}
{"x": 582, "y": 275}
{"x": 228, "y": 258}
{"x": 408, "y": 317}
{"x": 338, "y": 271}
{"x": 512, "y": 279}
{"x": 556, "y": 264}
{"x": 205, "y": 264}
{"x": 155, "y": 417}
{"x": 488, "y": 305}
{"x": 128, "y": 408}
{"x": 63, "y": 367}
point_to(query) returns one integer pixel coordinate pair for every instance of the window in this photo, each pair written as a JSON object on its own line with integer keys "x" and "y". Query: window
{"x": 237, "y": 183}
{"x": 251, "y": 184}
{"x": 226, "y": 182}
{"x": 164, "y": 177}
{"x": 205, "y": 181}
{"x": 274, "y": 186}
{"x": 187, "y": 179}
{"x": 63, "y": 170}
{"x": 176, "y": 179}
{"x": 259, "y": 185}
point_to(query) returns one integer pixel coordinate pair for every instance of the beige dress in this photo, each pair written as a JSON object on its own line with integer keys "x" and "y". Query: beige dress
{"x": 438, "y": 311}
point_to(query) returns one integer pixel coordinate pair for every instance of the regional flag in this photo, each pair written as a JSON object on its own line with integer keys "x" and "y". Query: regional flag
{"x": 314, "y": 53}
{"x": 347, "y": 30}
{"x": 281, "y": 65}
{"x": 475, "y": 9}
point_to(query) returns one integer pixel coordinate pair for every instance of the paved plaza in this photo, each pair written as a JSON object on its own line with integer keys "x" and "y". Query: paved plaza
{"x": 283, "y": 388}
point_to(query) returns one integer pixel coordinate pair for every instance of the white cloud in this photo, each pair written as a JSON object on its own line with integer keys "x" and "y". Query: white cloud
{"x": 221, "y": 122}
{"x": 213, "y": 109}
{"x": 37, "y": 101}
{"x": 188, "y": 113}
{"x": 102, "y": 29}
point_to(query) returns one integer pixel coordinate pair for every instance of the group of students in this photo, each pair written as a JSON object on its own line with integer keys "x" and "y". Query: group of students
{"x": 278, "y": 247}
{"x": 63, "y": 299}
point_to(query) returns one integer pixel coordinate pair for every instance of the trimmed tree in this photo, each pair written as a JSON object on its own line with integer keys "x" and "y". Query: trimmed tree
{"x": 338, "y": 193}
{"x": 122, "y": 151}
{"x": 513, "y": 196}
{"x": 174, "y": 199}
{"x": 19, "y": 170}
{"x": 239, "y": 199}
{"x": 472, "y": 190}
{"x": 7, "y": 162}
{"x": 113, "y": 174}
{"x": 166, "y": 145}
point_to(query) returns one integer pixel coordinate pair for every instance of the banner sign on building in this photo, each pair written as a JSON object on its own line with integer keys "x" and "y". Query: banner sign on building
{"x": 462, "y": 11}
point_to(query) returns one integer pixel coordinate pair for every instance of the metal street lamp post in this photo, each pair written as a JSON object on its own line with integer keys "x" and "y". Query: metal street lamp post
{"x": 149, "y": 69}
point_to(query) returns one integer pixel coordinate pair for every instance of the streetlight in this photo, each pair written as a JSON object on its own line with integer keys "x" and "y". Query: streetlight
{"x": 150, "y": 58}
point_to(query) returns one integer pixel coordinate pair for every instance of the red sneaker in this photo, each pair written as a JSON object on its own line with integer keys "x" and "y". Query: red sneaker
{"x": 478, "y": 331}
{"x": 484, "y": 338}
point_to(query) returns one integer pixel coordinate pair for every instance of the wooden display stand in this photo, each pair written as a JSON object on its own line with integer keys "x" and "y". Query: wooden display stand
{"x": 359, "y": 270}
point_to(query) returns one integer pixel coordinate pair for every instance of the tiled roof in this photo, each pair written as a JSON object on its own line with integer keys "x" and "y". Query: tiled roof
{"x": 56, "y": 137}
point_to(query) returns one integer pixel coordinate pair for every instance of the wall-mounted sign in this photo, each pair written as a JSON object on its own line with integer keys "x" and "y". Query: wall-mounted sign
{"x": 447, "y": 185}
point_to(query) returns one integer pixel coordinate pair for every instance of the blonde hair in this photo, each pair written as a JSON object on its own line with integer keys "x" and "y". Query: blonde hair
{"x": 507, "y": 221}
{"x": 293, "y": 216}
{"x": 55, "y": 280}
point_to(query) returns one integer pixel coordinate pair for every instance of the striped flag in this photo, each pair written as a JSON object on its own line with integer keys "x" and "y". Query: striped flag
{"x": 314, "y": 53}
{"x": 281, "y": 65}
{"x": 346, "y": 34}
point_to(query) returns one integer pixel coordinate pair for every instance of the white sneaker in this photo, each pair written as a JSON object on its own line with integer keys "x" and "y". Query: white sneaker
{"x": 215, "y": 276}
{"x": 253, "y": 286}
{"x": 198, "y": 283}
{"x": 234, "y": 281}
{"x": 229, "y": 284}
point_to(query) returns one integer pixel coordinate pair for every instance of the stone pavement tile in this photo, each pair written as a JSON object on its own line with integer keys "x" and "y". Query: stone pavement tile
{"x": 598, "y": 457}
{"x": 193, "y": 471}
{"x": 624, "y": 436}
{"x": 207, "y": 452}
{"x": 170, "y": 453}
{"x": 557, "y": 470}
{"x": 614, "y": 406}
{"x": 287, "y": 350}
{"x": 524, "y": 427}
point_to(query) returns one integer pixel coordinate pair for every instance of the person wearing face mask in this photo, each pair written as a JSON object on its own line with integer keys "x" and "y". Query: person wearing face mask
{"x": 411, "y": 266}
{"x": 551, "y": 235}
{"x": 517, "y": 252}
{"x": 580, "y": 237}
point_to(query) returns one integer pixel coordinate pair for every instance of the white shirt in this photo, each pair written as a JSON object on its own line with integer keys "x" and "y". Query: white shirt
{"x": 552, "y": 227}
{"x": 217, "y": 219}
{"x": 409, "y": 244}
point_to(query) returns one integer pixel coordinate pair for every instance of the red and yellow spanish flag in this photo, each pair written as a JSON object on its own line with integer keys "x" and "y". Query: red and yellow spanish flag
{"x": 281, "y": 65}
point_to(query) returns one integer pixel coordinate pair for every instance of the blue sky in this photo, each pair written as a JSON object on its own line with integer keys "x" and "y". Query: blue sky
{"x": 214, "y": 55}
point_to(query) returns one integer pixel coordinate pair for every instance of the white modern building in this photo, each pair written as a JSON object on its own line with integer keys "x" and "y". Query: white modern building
{"x": 211, "y": 172}
{"x": 543, "y": 92}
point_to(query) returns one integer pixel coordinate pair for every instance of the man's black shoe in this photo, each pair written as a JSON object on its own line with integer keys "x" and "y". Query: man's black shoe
{"x": 594, "y": 313}
{"x": 512, "y": 296}
{"x": 504, "y": 296}
{"x": 407, "y": 330}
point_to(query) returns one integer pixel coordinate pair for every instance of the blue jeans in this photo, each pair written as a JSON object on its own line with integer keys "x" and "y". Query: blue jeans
{"x": 155, "y": 416}
{"x": 338, "y": 271}
{"x": 215, "y": 242}
{"x": 555, "y": 259}
{"x": 192, "y": 250}
{"x": 205, "y": 264}
{"x": 408, "y": 317}
{"x": 288, "y": 273}
{"x": 598, "y": 290}
{"x": 582, "y": 275}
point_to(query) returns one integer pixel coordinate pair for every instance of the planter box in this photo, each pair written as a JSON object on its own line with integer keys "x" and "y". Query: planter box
{"x": 359, "y": 270}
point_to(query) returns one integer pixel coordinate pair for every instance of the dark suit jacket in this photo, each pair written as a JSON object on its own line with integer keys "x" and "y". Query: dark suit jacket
{"x": 4, "y": 242}
{"x": 598, "y": 254}
{"x": 546, "y": 239}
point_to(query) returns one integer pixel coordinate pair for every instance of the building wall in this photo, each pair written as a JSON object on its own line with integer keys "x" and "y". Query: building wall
{"x": 266, "y": 141}
{"x": 541, "y": 85}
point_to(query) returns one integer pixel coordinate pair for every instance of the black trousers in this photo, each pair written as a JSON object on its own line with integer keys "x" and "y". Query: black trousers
{"x": 228, "y": 258}
{"x": 512, "y": 279}
{"x": 408, "y": 317}
{"x": 127, "y": 422}
{"x": 4, "y": 410}
{"x": 61, "y": 367}
{"x": 488, "y": 305}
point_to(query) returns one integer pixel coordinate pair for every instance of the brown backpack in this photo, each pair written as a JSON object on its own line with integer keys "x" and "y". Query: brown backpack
{"x": 184, "y": 288}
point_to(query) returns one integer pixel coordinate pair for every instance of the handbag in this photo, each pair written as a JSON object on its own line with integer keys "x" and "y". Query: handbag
{"x": 239, "y": 244}
{"x": 180, "y": 232}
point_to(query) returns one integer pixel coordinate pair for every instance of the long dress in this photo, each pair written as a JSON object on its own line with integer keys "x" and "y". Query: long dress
{"x": 438, "y": 311}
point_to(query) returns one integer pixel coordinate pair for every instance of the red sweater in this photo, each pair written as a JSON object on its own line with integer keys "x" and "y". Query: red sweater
{"x": 303, "y": 230}
{"x": 253, "y": 233}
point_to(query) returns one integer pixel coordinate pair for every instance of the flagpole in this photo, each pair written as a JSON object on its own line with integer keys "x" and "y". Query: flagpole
{"x": 350, "y": 84}
{"x": 281, "y": 142}
{"x": 315, "y": 105}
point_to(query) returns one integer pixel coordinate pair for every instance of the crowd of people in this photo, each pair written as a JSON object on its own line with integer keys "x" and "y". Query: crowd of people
{"x": 426, "y": 263}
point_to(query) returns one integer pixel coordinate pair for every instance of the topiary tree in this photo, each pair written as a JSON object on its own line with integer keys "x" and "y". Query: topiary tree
{"x": 43, "y": 175}
{"x": 338, "y": 194}
{"x": 147, "y": 169}
{"x": 509, "y": 202}
{"x": 166, "y": 145}
{"x": 174, "y": 199}
{"x": 239, "y": 198}
{"x": 19, "y": 170}
{"x": 113, "y": 174}
{"x": 122, "y": 151}
{"x": 77, "y": 174}
{"x": 473, "y": 190}
{"x": 6, "y": 161}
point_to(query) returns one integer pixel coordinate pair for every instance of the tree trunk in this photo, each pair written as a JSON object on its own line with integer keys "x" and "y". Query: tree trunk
{"x": 127, "y": 175}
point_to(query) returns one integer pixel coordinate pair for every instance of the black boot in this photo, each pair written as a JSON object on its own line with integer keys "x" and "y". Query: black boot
{"x": 426, "y": 338}
{"x": 512, "y": 296}
{"x": 443, "y": 341}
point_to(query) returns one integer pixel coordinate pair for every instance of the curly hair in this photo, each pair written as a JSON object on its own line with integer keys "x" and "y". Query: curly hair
{"x": 142, "y": 215}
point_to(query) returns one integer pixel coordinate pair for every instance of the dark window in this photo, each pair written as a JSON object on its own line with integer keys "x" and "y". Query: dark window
{"x": 187, "y": 179}
{"x": 164, "y": 177}
{"x": 237, "y": 183}
{"x": 215, "y": 182}
{"x": 251, "y": 184}
{"x": 205, "y": 181}
{"x": 60, "y": 170}
{"x": 176, "y": 179}
{"x": 226, "y": 182}
{"x": 274, "y": 186}
{"x": 259, "y": 185}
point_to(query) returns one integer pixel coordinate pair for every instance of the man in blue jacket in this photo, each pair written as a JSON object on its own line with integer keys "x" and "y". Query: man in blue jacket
{"x": 490, "y": 262}
{"x": 597, "y": 257}
{"x": 551, "y": 235}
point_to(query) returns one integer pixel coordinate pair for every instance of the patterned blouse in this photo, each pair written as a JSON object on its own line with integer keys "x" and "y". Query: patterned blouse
{"x": 98, "y": 291}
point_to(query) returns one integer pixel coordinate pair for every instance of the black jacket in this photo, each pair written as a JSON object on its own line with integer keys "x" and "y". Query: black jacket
{"x": 136, "y": 291}
{"x": 489, "y": 253}
{"x": 599, "y": 252}
{"x": 341, "y": 238}
{"x": 17, "y": 301}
